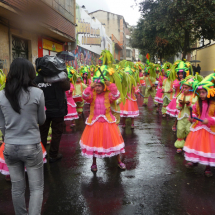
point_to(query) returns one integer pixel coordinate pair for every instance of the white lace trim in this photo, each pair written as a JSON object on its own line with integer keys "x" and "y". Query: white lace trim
{"x": 4, "y": 172}
{"x": 185, "y": 116}
{"x": 101, "y": 149}
{"x": 76, "y": 96}
{"x": 114, "y": 110}
{"x": 71, "y": 118}
{"x": 131, "y": 116}
{"x": 72, "y": 114}
{"x": 118, "y": 94}
{"x": 93, "y": 121}
{"x": 134, "y": 100}
{"x": 199, "y": 153}
{"x": 103, "y": 156}
{"x": 166, "y": 97}
{"x": 129, "y": 112}
{"x": 173, "y": 115}
{"x": 158, "y": 99}
{"x": 197, "y": 160}
{"x": 74, "y": 106}
{"x": 201, "y": 127}
{"x": 85, "y": 94}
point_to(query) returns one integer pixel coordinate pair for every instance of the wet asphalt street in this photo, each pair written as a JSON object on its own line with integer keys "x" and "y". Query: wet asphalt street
{"x": 155, "y": 182}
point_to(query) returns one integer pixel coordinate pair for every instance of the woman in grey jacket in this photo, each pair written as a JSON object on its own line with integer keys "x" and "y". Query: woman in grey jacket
{"x": 22, "y": 108}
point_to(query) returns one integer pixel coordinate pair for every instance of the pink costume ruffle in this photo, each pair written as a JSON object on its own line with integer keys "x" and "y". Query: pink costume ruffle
{"x": 200, "y": 144}
{"x": 71, "y": 106}
{"x": 171, "y": 108}
{"x": 100, "y": 110}
{"x": 130, "y": 108}
{"x": 158, "y": 97}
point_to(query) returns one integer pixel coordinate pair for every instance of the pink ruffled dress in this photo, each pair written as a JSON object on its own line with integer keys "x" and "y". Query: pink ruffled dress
{"x": 101, "y": 137}
{"x": 200, "y": 143}
{"x": 158, "y": 97}
{"x": 130, "y": 108}
{"x": 71, "y": 106}
{"x": 171, "y": 108}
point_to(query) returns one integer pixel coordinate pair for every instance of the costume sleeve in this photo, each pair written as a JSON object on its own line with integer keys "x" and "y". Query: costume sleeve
{"x": 41, "y": 110}
{"x": 178, "y": 105}
{"x": 163, "y": 84}
{"x": 136, "y": 90}
{"x": 2, "y": 123}
{"x": 194, "y": 113}
{"x": 114, "y": 92}
{"x": 88, "y": 94}
{"x": 84, "y": 86}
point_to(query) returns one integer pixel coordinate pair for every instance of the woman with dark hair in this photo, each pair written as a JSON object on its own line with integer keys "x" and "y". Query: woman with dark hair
{"x": 22, "y": 108}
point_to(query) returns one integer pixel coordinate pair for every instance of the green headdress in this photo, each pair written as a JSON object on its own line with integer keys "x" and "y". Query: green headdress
{"x": 157, "y": 67}
{"x": 107, "y": 58}
{"x": 85, "y": 70}
{"x": 208, "y": 84}
{"x": 183, "y": 66}
{"x": 150, "y": 69}
{"x": 190, "y": 81}
{"x": 72, "y": 74}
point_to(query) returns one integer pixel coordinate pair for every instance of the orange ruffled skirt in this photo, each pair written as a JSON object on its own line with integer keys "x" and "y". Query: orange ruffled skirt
{"x": 200, "y": 147}
{"x": 102, "y": 139}
{"x": 3, "y": 166}
{"x": 129, "y": 109}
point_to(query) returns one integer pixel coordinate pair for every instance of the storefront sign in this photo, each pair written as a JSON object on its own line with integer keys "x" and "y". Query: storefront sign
{"x": 52, "y": 46}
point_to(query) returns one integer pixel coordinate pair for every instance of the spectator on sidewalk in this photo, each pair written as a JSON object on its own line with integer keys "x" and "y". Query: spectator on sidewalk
{"x": 198, "y": 69}
{"x": 21, "y": 110}
{"x": 56, "y": 109}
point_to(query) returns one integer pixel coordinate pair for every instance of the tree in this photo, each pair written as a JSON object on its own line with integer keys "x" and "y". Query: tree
{"x": 179, "y": 22}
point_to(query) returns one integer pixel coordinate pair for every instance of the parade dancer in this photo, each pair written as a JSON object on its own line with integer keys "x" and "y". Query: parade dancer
{"x": 130, "y": 109}
{"x": 184, "y": 101}
{"x": 149, "y": 78}
{"x": 200, "y": 143}
{"x": 77, "y": 94}
{"x": 180, "y": 68}
{"x": 167, "y": 88}
{"x": 71, "y": 106}
{"x": 101, "y": 137}
{"x": 159, "y": 95}
{"x": 86, "y": 76}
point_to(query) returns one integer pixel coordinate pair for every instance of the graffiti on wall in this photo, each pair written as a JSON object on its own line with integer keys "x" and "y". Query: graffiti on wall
{"x": 84, "y": 57}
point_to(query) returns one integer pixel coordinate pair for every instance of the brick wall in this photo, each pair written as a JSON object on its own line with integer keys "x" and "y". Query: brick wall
{"x": 50, "y": 17}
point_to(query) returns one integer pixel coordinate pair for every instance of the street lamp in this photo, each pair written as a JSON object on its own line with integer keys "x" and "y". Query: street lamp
{"x": 83, "y": 7}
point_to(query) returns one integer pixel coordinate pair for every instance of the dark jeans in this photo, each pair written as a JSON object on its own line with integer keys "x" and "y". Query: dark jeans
{"x": 17, "y": 157}
{"x": 57, "y": 125}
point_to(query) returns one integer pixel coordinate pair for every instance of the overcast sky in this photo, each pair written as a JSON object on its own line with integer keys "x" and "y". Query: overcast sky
{"x": 121, "y": 7}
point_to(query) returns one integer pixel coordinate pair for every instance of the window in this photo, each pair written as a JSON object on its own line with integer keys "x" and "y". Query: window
{"x": 128, "y": 53}
{"x": 19, "y": 48}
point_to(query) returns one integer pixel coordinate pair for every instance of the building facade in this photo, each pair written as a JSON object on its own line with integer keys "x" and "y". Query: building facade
{"x": 35, "y": 28}
{"x": 114, "y": 25}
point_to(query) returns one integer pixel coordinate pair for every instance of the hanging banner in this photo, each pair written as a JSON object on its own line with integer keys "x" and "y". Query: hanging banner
{"x": 52, "y": 46}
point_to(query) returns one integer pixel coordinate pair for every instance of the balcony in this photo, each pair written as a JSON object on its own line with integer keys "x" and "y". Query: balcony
{"x": 118, "y": 45}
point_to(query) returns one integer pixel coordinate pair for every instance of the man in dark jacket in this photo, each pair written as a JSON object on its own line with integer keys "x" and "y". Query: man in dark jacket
{"x": 56, "y": 109}
{"x": 198, "y": 69}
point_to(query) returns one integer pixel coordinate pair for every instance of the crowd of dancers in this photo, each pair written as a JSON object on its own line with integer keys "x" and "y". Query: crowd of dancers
{"x": 111, "y": 91}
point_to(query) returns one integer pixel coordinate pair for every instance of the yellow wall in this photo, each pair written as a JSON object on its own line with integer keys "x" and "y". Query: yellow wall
{"x": 4, "y": 48}
{"x": 207, "y": 58}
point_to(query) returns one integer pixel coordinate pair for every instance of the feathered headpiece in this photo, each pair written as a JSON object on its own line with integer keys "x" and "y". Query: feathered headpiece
{"x": 107, "y": 58}
{"x": 72, "y": 74}
{"x": 183, "y": 66}
{"x": 2, "y": 79}
{"x": 208, "y": 84}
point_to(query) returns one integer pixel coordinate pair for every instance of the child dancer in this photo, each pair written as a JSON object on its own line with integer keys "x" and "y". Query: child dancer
{"x": 86, "y": 76}
{"x": 200, "y": 143}
{"x": 180, "y": 68}
{"x": 184, "y": 101}
{"x": 101, "y": 137}
{"x": 159, "y": 95}
{"x": 71, "y": 106}
{"x": 130, "y": 108}
{"x": 77, "y": 94}
{"x": 150, "y": 78}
